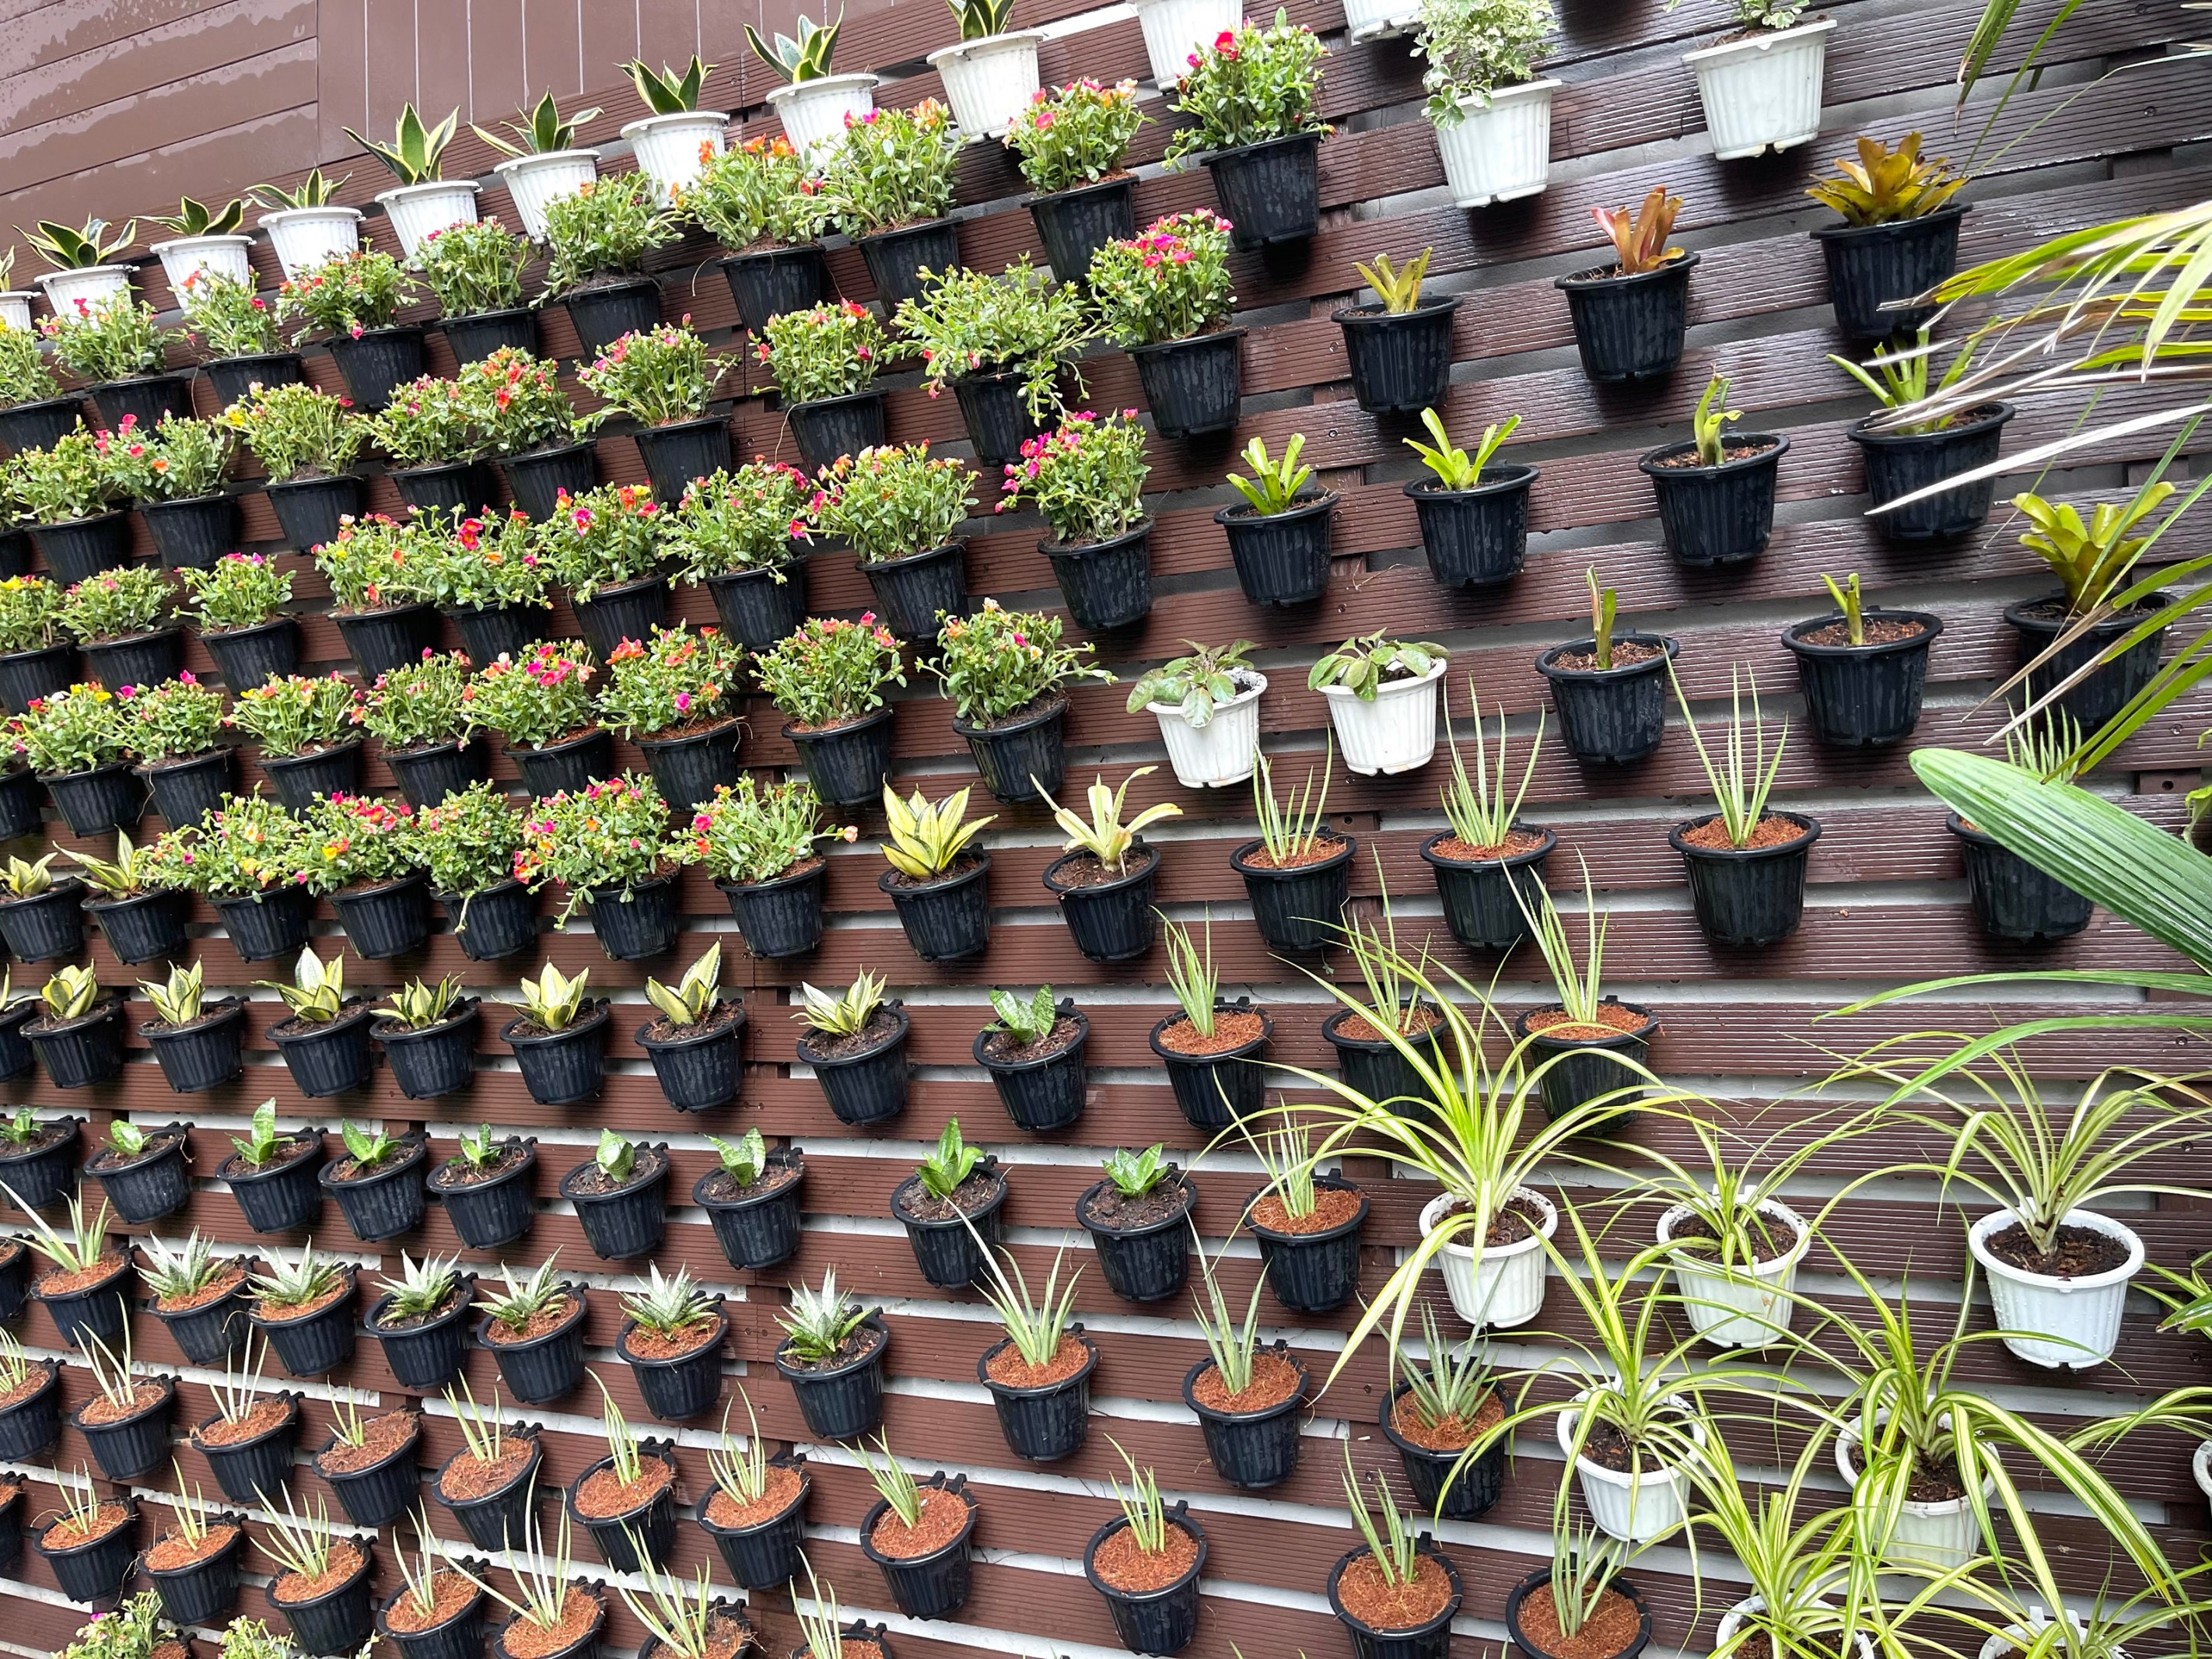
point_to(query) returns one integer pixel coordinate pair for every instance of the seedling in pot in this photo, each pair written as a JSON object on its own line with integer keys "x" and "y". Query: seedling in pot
{"x": 422, "y": 1289}
{"x": 1899, "y": 377}
{"x": 421, "y": 1568}
{"x": 1576, "y": 988}
{"x": 80, "y": 1502}
{"x": 369, "y": 1149}
{"x": 285, "y": 1287}
{"x": 111, "y": 1374}
{"x": 178, "y": 1273}
{"x": 846, "y": 1014}
{"x": 742, "y": 1159}
{"x": 29, "y": 877}
{"x": 540, "y": 1575}
{"x": 946, "y": 1169}
{"x": 483, "y": 1434}
{"x": 1457, "y": 468}
{"x": 194, "y": 1521}
{"x": 14, "y": 1364}
{"x": 553, "y": 1001}
{"x": 126, "y": 1139}
{"x": 675, "y": 1616}
{"x": 1709, "y": 421}
{"x": 623, "y": 1448}
{"x": 1365, "y": 666}
{"x": 615, "y": 1158}
{"x": 1388, "y": 1533}
{"x": 316, "y": 994}
{"x": 922, "y": 839}
{"x": 696, "y": 995}
{"x": 1639, "y": 238}
{"x": 820, "y": 1634}
{"x": 818, "y": 1323}
{"x": 1584, "y": 1563}
{"x": 178, "y": 1002}
{"x": 239, "y": 1391}
{"x": 72, "y": 1249}
{"x": 1027, "y": 1022}
{"x": 1285, "y": 1154}
{"x": 1105, "y": 837}
{"x": 1035, "y": 1324}
{"x": 418, "y": 1006}
{"x": 1390, "y": 979}
{"x": 670, "y": 1308}
{"x": 131, "y": 871}
{"x": 1274, "y": 485}
{"x": 1848, "y": 601}
{"x": 480, "y": 1151}
{"x": 741, "y": 1475}
{"x": 981, "y": 19}
{"x": 1398, "y": 286}
{"x": 313, "y": 191}
{"x": 1230, "y": 1346}
{"x": 1140, "y": 1504}
{"x": 1740, "y": 790}
{"x": 513, "y": 1309}
{"x": 1191, "y": 973}
{"x": 1477, "y": 808}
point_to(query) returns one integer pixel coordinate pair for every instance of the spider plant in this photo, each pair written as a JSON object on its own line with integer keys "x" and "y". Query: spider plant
{"x": 1391, "y": 980}
{"x": 1231, "y": 1346}
{"x": 1728, "y": 1189}
{"x": 1285, "y": 1153}
{"x": 742, "y": 1475}
{"x": 1744, "y": 778}
{"x": 1191, "y": 974}
{"x": 622, "y": 1449}
{"x": 894, "y": 1483}
{"x": 1452, "y": 1385}
{"x": 1584, "y": 1563}
{"x": 1477, "y": 808}
{"x": 348, "y": 1426}
{"x": 300, "y": 1544}
{"x": 1387, "y": 1531}
{"x": 821, "y": 1635}
{"x": 420, "y": 1569}
{"x": 110, "y": 1373}
{"x": 81, "y": 1501}
{"x": 194, "y": 1520}
{"x": 1035, "y": 1325}
{"x": 1291, "y": 828}
{"x": 239, "y": 1391}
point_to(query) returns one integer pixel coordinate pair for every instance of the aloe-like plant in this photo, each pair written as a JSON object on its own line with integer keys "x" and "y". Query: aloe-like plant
{"x": 299, "y": 1284}
{"x": 818, "y": 1323}
{"x": 1397, "y": 286}
{"x": 175, "y": 1271}
{"x": 417, "y": 153}
{"x": 313, "y": 191}
{"x": 423, "y": 1288}
{"x": 1457, "y": 468}
{"x": 664, "y": 92}
{"x": 543, "y": 131}
{"x": 525, "y": 1299}
{"x": 695, "y": 994}
{"x": 73, "y": 1247}
{"x": 894, "y": 1483}
{"x": 370, "y": 1148}
{"x": 806, "y": 58}
{"x": 1105, "y": 836}
{"x": 194, "y": 218}
{"x": 1386, "y": 1529}
{"x": 64, "y": 249}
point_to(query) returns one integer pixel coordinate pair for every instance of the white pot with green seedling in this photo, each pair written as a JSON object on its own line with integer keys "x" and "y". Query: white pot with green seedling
{"x": 79, "y": 275}
{"x": 814, "y": 106}
{"x": 992, "y": 74}
{"x": 205, "y": 242}
{"x": 1382, "y": 698}
{"x": 306, "y": 225}
{"x": 1207, "y": 705}
{"x": 1760, "y": 87}
{"x": 423, "y": 203}
{"x": 542, "y": 163}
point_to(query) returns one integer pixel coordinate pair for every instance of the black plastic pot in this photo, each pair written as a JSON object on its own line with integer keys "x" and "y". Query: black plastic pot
{"x": 308, "y": 510}
{"x": 1754, "y": 896}
{"x": 461, "y": 1636}
{"x": 380, "y": 1494}
{"x": 338, "y": 1621}
{"x": 234, "y": 377}
{"x": 1526, "y": 1645}
{"x": 20, "y": 796}
{"x": 1281, "y": 558}
{"x": 544, "y": 1368}
{"x": 843, "y": 1402}
{"x": 247, "y": 657}
{"x": 997, "y": 415}
{"x": 387, "y": 1201}
{"x": 99, "y": 1570}
{"x": 155, "y": 1183}
{"x": 377, "y": 361}
{"x": 268, "y": 925}
{"x": 206, "y": 1591}
{"x": 492, "y": 1213}
{"x": 949, "y": 1257}
{"x": 428, "y": 774}
{"x": 1716, "y": 515}
{"x": 1374, "y": 1067}
{"x": 638, "y": 1538}
{"x": 586, "y": 1646}
{"x": 684, "y": 1387}
{"x": 387, "y": 919}
{"x": 1043, "y": 1424}
{"x": 677, "y": 453}
{"x": 34, "y": 1422}
{"x": 1585, "y": 1068}
{"x": 315, "y": 1344}
{"x": 2108, "y": 689}
{"x": 425, "y": 1358}
{"x": 1630, "y": 328}
{"x": 459, "y": 488}
{"x": 1475, "y": 538}
{"x": 99, "y": 1310}
{"x": 14, "y": 1278}
{"x": 14, "y": 552}
{"x": 1194, "y": 386}
{"x": 689, "y": 769}
{"x": 496, "y": 1520}
{"x": 1150, "y": 1263}
{"x": 700, "y": 1070}
{"x": 44, "y": 926}
{"x": 81, "y": 1052}
{"x": 766, "y": 1555}
{"x": 931, "y": 1586}
{"x": 847, "y": 764}
{"x": 1467, "y": 1495}
{"x": 1862, "y": 694}
{"x": 758, "y": 1229}
{"x": 780, "y": 917}
{"x": 946, "y": 919}
{"x": 1432, "y": 1640}
{"x": 561, "y": 1069}
{"x": 395, "y": 636}
{"x": 604, "y": 313}
{"x": 284, "y": 1197}
{"x": 1313, "y": 1273}
{"x": 1107, "y": 584}
{"x": 827, "y": 429}
{"x": 1269, "y": 192}
{"x": 1478, "y": 898}
{"x": 641, "y": 922}
{"x": 1074, "y": 224}
{"x": 186, "y": 791}
{"x": 573, "y": 765}
{"x": 80, "y": 549}
{"x": 1871, "y": 265}
{"x": 192, "y": 533}
{"x": 1401, "y": 361}
{"x": 143, "y": 398}
{"x": 1250, "y": 1449}
{"x": 1163, "y": 1620}
{"x": 626, "y": 611}
{"x": 1613, "y": 717}
{"x": 476, "y": 337}
{"x": 209, "y": 1333}
{"x": 539, "y": 479}
{"x": 328, "y": 1057}
{"x": 629, "y": 1222}
{"x": 1214, "y": 1090}
{"x": 869, "y": 1087}
{"x": 757, "y": 609}
{"x": 1023, "y": 758}
{"x": 2013, "y": 899}
{"x": 1898, "y": 463}
{"x": 37, "y": 425}
{"x": 94, "y": 802}
{"x": 1112, "y": 921}
{"x": 29, "y": 676}
{"x": 141, "y": 659}
{"x": 774, "y": 281}
{"x": 1045, "y": 1094}
{"x": 1300, "y": 908}
{"x": 494, "y": 923}
{"x": 131, "y": 1446}
{"x": 430, "y": 1061}
{"x": 255, "y": 1471}
{"x": 897, "y": 259}
{"x": 914, "y": 592}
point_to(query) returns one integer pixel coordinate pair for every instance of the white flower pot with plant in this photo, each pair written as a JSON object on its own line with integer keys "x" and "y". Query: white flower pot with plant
{"x": 2200, "y": 1467}
{"x": 78, "y": 274}
{"x": 1382, "y": 701}
{"x": 1634, "y": 1507}
{"x": 419, "y": 211}
{"x": 1491, "y": 113}
{"x": 1743, "y": 1306}
{"x": 1942, "y": 1535}
{"x": 312, "y": 233}
{"x": 989, "y": 80}
{"x": 1208, "y": 707}
{"x": 1763, "y": 92}
{"x": 1176, "y": 29}
{"x": 16, "y": 308}
{"x": 1498, "y": 1287}
{"x": 815, "y": 113}
{"x": 1732, "y": 1621}
{"x": 2053, "y": 1322}
{"x": 1499, "y": 149}
{"x": 535, "y": 181}
{"x": 183, "y": 257}
{"x": 674, "y": 142}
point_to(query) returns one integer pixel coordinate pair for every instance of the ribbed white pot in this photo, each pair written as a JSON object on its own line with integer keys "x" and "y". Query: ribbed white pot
{"x": 185, "y": 257}
{"x": 1940, "y": 1536}
{"x": 1633, "y": 1508}
{"x": 1744, "y": 1307}
{"x": 814, "y": 113}
{"x": 93, "y": 284}
{"x": 1763, "y": 94}
{"x": 1498, "y": 1288}
{"x": 1223, "y": 751}
{"x": 307, "y": 237}
{"x": 989, "y": 82}
{"x": 2078, "y": 1319}
{"x": 1396, "y": 732}
{"x": 1373, "y": 20}
{"x": 1732, "y": 1621}
{"x": 535, "y": 181}
{"x": 1174, "y": 29}
{"x": 672, "y": 149}
{"x": 15, "y": 309}
{"x": 2201, "y": 1466}
{"x": 419, "y": 211}
{"x": 1499, "y": 151}
{"x": 2015, "y": 1637}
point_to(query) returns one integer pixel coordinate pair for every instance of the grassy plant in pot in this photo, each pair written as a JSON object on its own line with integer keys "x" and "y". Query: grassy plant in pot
{"x": 1491, "y": 110}
{"x": 664, "y": 377}
{"x": 1146, "y": 1566}
{"x": 77, "y": 743}
{"x": 428, "y": 435}
{"x": 30, "y": 1400}
{"x": 200, "y": 1297}
{"x": 144, "y": 1173}
{"x": 744, "y": 534}
{"x": 900, "y": 510}
{"x": 600, "y": 237}
{"x": 1034, "y": 1052}
{"x": 676, "y": 138}
{"x": 120, "y": 347}
{"x": 271, "y": 1173}
{"x": 475, "y": 272}
{"x": 81, "y": 1286}
{"x": 193, "y": 519}
{"x": 1251, "y": 99}
{"x": 617, "y": 1192}
{"x": 1371, "y": 1035}
{"x": 890, "y": 177}
{"x": 832, "y": 1355}
{"x": 194, "y": 1562}
{"x": 355, "y": 300}
{"x": 608, "y": 846}
{"x": 1582, "y": 1603}
{"x": 687, "y": 1622}
{"x": 437, "y": 1611}
{"x": 1439, "y": 1403}
{"x": 627, "y": 1500}
{"x": 1278, "y": 535}
{"x": 1908, "y": 455}
{"x": 672, "y": 1340}
{"x": 75, "y": 497}
{"x": 41, "y": 920}
{"x": 1246, "y": 1397}
{"x": 762, "y": 200}
{"x": 1307, "y": 1224}
{"x": 485, "y": 1186}
{"x": 856, "y": 1043}
{"x": 306, "y": 441}
{"x": 1716, "y": 495}
{"x": 325, "y": 1039}
{"x": 236, "y": 608}
{"x": 1297, "y": 872}
{"x": 674, "y": 694}
{"x": 248, "y": 1441}
{"x": 125, "y": 1419}
{"x": 560, "y": 1037}
{"x": 824, "y": 361}
{"x": 243, "y": 345}
{"x": 1862, "y": 671}
{"x": 754, "y": 1507}
{"x": 1396, "y": 1593}
{"x": 529, "y": 427}
{"x": 1087, "y": 477}
{"x": 751, "y": 1197}
{"x": 428, "y": 1034}
{"x": 379, "y": 1182}
{"x": 1606, "y": 688}
{"x": 814, "y": 106}
{"x": 1745, "y": 865}
{"x": 694, "y": 1043}
{"x": 1212, "y": 1047}
{"x": 951, "y": 1208}
{"x": 543, "y": 160}
{"x": 1166, "y": 297}
{"x": 304, "y": 1310}
{"x": 1629, "y": 316}
{"x": 1486, "y": 855}
{"x": 604, "y": 547}
{"x": 535, "y": 1330}
{"x": 1039, "y": 1374}
{"x": 1760, "y": 86}
{"x": 917, "y": 1533}
{"x": 555, "y": 1618}
{"x": 369, "y": 1462}
{"x": 78, "y": 1031}
{"x": 1006, "y": 674}
{"x": 1207, "y": 707}
{"x": 759, "y": 845}
{"x": 1590, "y": 1048}
{"x": 420, "y": 1320}
{"x": 1000, "y": 342}
{"x": 827, "y": 680}
{"x": 1104, "y": 878}
{"x": 34, "y": 410}
{"x": 1399, "y": 350}
{"x": 36, "y": 656}
{"x": 1898, "y": 238}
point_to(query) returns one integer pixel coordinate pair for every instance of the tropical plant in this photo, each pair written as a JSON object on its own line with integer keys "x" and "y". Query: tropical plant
{"x": 75, "y": 1247}
{"x": 894, "y": 1483}
{"x": 1639, "y": 238}
{"x": 177, "y": 1002}
{"x": 1398, "y": 286}
{"x": 1105, "y": 836}
{"x": 418, "y": 1005}
{"x": 1274, "y": 485}
{"x": 1744, "y": 779}
{"x": 1364, "y": 667}
{"x": 1388, "y": 1535}
{"x": 806, "y": 58}
{"x": 1474, "y": 47}
{"x": 696, "y": 994}
{"x": 545, "y": 131}
{"x": 522, "y": 1302}
{"x": 313, "y": 191}
{"x": 414, "y": 155}
{"x": 70, "y": 993}
{"x": 1195, "y": 685}
{"x": 846, "y": 1014}
{"x": 1709, "y": 421}
{"x": 1134, "y": 1175}
{"x": 1455, "y": 468}
{"x": 1477, "y": 808}
{"x": 423, "y": 1288}
{"x": 64, "y": 249}
{"x": 666, "y": 92}
{"x": 369, "y": 1149}
{"x": 1027, "y": 1020}
{"x": 1898, "y": 377}
{"x": 818, "y": 1323}
{"x": 317, "y": 993}
{"x": 1231, "y": 1344}
{"x": 745, "y": 1158}
{"x": 1260, "y": 82}
{"x": 1885, "y": 187}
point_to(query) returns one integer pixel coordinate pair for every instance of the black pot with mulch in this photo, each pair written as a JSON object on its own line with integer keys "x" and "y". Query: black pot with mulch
{"x": 1110, "y": 917}
{"x": 377, "y": 362}
{"x": 1042, "y": 1087}
{"x": 253, "y": 1468}
{"x": 314, "y": 1343}
{"x": 490, "y": 1207}
{"x": 308, "y": 510}
{"x": 203, "y": 1590}
{"x": 573, "y": 763}
{"x": 1441, "y": 1484}
{"x": 391, "y": 637}
{"x": 1475, "y": 538}
{"x": 640, "y": 1536}
{"x": 757, "y": 1225}
{"x": 265, "y": 927}
{"x": 428, "y": 775}
{"x": 760, "y": 607}
{"x": 1857, "y": 696}
{"x": 863, "y": 1076}
{"x": 457, "y": 1635}
{"x": 640, "y": 921}
{"x": 388, "y": 919}
{"x": 540, "y": 477}
{"x": 328, "y": 1056}
{"x": 234, "y": 377}
{"x": 147, "y": 1184}
{"x": 1477, "y": 893}
{"x": 1610, "y": 715}
{"x": 381, "y": 1488}
{"x": 1630, "y": 328}
{"x": 1750, "y": 895}
{"x": 1299, "y": 907}
{"x": 29, "y": 676}
{"x": 385, "y": 1201}
{"x": 1530, "y": 1647}
{"x": 497, "y": 922}
{"x": 1107, "y": 584}
{"x": 549, "y": 1365}
{"x": 1870, "y": 265}
{"x": 1901, "y": 462}
{"x": 1281, "y": 558}
{"x": 827, "y": 429}
{"x": 44, "y": 926}
{"x": 193, "y": 531}
{"x": 1428, "y": 1639}
{"x": 142, "y": 399}
{"x": 475, "y": 337}
{"x": 1023, "y": 757}
{"x": 847, "y": 764}
{"x": 425, "y": 1354}
{"x": 135, "y": 1443}
{"x": 690, "y": 767}
{"x": 30, "y": 1424}
{"x": 430, "y": 1061}
{"x": 562, "y": 1068}
{"x": 843, "y": 1399}
{"x": 1312, "y": 1264}
{"x": 203, "y": 1055}
{"x": 935, "y": 1585}
{"x": 338, "y": 1621}
{"x": 949, "y": 1257}
{"x": 697, "y": 1066}
{"x": 15, "y": 1060}
{"x": 497, "y": 1517}
{"x": 1219, "y": 1080}
{"x": 1074, "y": 224}
{"x": 78, "y": 1053}
{"x": 948, "y": 919}
{"x": 622, "y": 1220}
{"x": 2106, "y": 691}
{"x": 98, "y": 1569}
{"x": 1586, "y": 1066}
{"x": 771, "y": 281}
{"x": 1256, "y": 1447}
{"x": 147, "y": 659}
{"x": 458, "y": 487}
{"x": 605, "y": 311}
{"x": 995, "y": 410}
{"x": 897, "y": 259}
{"x": 1194, "y": 386}
{"x": 37, "y": 424}
{"x": 1043, "y": 1421}
{"x": 763, "y": 1554}
{"x": 914, "y": 592}
{"x": 624, "y": 610}
{"x": 1716, "y": 515}
{"x": 106, "y": 798}
{"x": 98, "y": 1309}
{"x": 1142, "y": 1243}
{"x": 678, "y": 1386}
{"x": 21, "y": 795}
{"x": 1269, "y": 192}
{"x": 781, "y": 917}
{"x": 77, "y": 550}
{"x": 1400, "y": 361}
{"x": 1373, "y": 1065}
{"x": 1163, "y": 1618}
{"x": 682, "y": 450}
{"x": 14, "y": 1278}
{"x": 209, "y": 1331}
{"x": 186, "y": 791}
{"x": 284, "y": 1194}
{"x": 2013, "y": 899}
{"x": 247, "y": 657}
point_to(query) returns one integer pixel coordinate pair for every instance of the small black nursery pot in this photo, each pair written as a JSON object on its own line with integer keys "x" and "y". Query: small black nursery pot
{"x": 1269, "y": 192}
{"x": 205, "y": 1591}
{"x": 1753, "y": 896}
{"x": 1475, "y": 538}
{"x": 380, "y": 1493}
{"x": 1430, "y": 1639}
{"x": 1281, "y": 558}
{"x": 757, "y": 1225}
{"x": 313, "y": 1344}
{"x": 1023, "y": 757}
{"x": 1194, "y": 386}
{"x": 1106, "y": 584}
{"x": 142, "y": 399}
{"x": 101, "y": 1310}
{"x": 377, "y": 362}
{"x": 561, "y": 1069}
{"x": 914, "y": 592}
{"x": 774, "y": 281}
{"x": 1861, "y": 695}
{"x": 643, "y": 1535}
{"x": 1301, "y": 907}
{"x": 192, "y": 533}
{"x": 21, "y": 795}
{"x": 46, "y": 927}
{"x": 950, "y": 918}
{"x": 458, "y": 487}
{"x": 498, "y": 922}
{"x": 1143, "y": 1244}
{"x": 146, "y": 659}
{"x": 186, "y": 791}
{"x": 1440, "y": 1485}
{"x": 459, "y": 1635}
{"x": 847, "y": 764}
{"x": 37, "y": 424}
{"x": 1074, "y": 224}
{"x": 268, "y": 927}
{"x": 574, "y": 764}
{"x": 100, "y": 1568}
{"x": 1213, "y": 1090}
{"x": 40, "y": 1171}
{"x": 897, "y": 259}
{"x": 1527, "y": 1644}
{"x": 1155, "y": 1621}
{"x": 1716, "y": 515}
{"x": 757, "y": 609}
{"x": 2108, "y": 690}
{"x": 864, "y": 1080}
{"x": 1477, "y": 895}
{"x": 79, "y": 1053}
{"x": 843, "y": 1399}
{"x": 934, "y": 1585}
{"x": 541, "y": 1368}
{"x": 326, "y": 1057}
{"x": 698, "y": 1067}
{"x": 677, "y": 453}
{"x": 678, "y": 1386}
{"x": 425, "y": 1357}
{"x": 1314, "y": 1272}
{"x": 765, "y": 1554}
{"x": 428, "y": 775}
{"x": 2013, "y": 899}
{"x": 308, "y": 510}
{"x": 234, "y": 377}
{"x": 335, "y": 770}
{"x": 283, "y": 1195}
{"x": 254, "y": 1470}
{"x": 394, "y": 637}
{"x": 148, "y": 1184}
{"x": 475, "y": 337}
{"x": 781, "y": 917}
{"x": 626, "y": 611}
{"x": 1614, "y": 715}
{"x": 29, "y": 676}
{"x": 15, "y": 1278}
{"x": 1400, "y": 361}
{"x": 30, "y": 1424}
{"x": 638, "y": 922}
{"x": 135, "y": 1443}
{"x": 1630, "y": 328}
{"x": 606, "y": 312}
{"x": 827, "y": 429}
{"x": 540, "y": 477}
{"x": 950, "y": 1257}
{"x": 490, "y": 632}
{"x": 1585, "y": 1068}
{"x": 498, "y": 1519}
{"x": 1048, "y": 1421}
{"x": 338, "y": 1621}
{"x": 385, "y": 1201}
{"x": 488, "y": 1208}
{"x": 1250, "y": 1448}
{"x": 1870, "y": 265}
{"x": 387, "y": 919}
{"x": 1897, "y": 462}
{"x": 622, "y": 1220}
{"x": 1110, "y": 921}
{"x": 996, "y": 413}
{"x": 427, "y": 1062}
{"x": 107, "y": 798}
{"x": 690, "y": 767}
{"x": 1045, "y": 1091}
{"x": 79, "y": 549}
{"x": 1373, "y": 1065}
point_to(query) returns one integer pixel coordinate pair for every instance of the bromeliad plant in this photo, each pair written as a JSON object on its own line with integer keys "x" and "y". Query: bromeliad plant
{"x": 1262, "y": 82}
{"x": 543, "y": 699}
{"x": 1886, "y": 186}
{"x": 656, "y": 376}
{"x": 894, "y": 168}
{"x": 827, "y": 351}
{"x": 1640, "y": 240}
{"x": 1899, "y": 377}
{"x": 998, "y": 663}
{"x": 1742, "y": 781}
{"x": 1075, "y": 134}
{"x": 831, "y": 672}
{"x": 922, "y": 840}
{"x": 239, "y": 590}
{"x": 750, "y": 832}
{"x": 757, "y": 518}
{"x": 1169, "y": 283}
{"x": 293, "y": 715}
{"x": 600, "y": 841}
{"x": 1105, "y": 836}
{"x": 967, "y": 324}
{"x": 1087, "y": 477}
{"x": 2093, "y": 558}
{"x": 892, "y": 502}
{"x": 757, "y": 195}
{"x": 679, "y": 681}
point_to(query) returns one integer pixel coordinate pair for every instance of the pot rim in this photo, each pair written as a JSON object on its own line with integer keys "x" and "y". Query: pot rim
{"x": 956, "y": 546}
{"x": 847, "y": 729}
{"x": 1377, "y": 1045}
{"x": 1008, "y": 1391}
{"x": 1542, "y": 1576}
{"x": 795, "y": 1462}
{"x": 1580, "y": 283}
{"x": 691, "y": 422}
{"x": 1151, "y": 865}
{"x": 1071, "y": 1055}
{"x": 871, "y": 390}
{"x": 66, "y": 887}
{"x": 473, "y": 1608}
{"x": 784, "y": 92}
{"x": 718, "y": 729}
{"x": 666, "y": 1495}
{"x": 390, "y": 330}
{"x": 1860, "y": 432}
{"x": 269, "y": 627}
{"x": 1241, "y": 1006}
{"x": 291, "y": 1397}
{"x": 2111, "y": 628}
{"x": 1951, "y": 209}
{"x": 85, "y": 523}
{"x": 1055, "y": 710}
{"x": 674, "y": 118}
{"x": 1109, "y": 1230}
{"x": 777, "y": 251}
{"x": 1517, "y": 476}
{"x": 1511, "y": 862}
{"x": 113, "y": 1008}
{"x": 1669, "y": 646}
{"x": 1589, "y": 1044}
{"x": 1778, "y": 446}
{"x": 406, "y": 1448}
{"x": 128, "y": 1502}
{"x": 426, "y": 187}
{"x": 1058, "y": 549}
{"x": 1426, "y": 1546}
{"x": 229, "y": 1518}
{"x": 637, "y": 1182}
{"x": 168, "y": 1385}
{"x": 709, "y": 1033}
{"x": 792, "y": 1158}
{"x": 918, "y": 228}
{"x": 1677, "y": 838}
{"x": 962, "y": 50}
{"x": 1238, "y": 152}
{"x": 564, "y": 746}
{"x": 1388, "y": 1411}
{"x": 1702, "y": 1267}
{"x": 522, "y": 163}
{"x": 464, "y": 1290}
{"x": 1519, "y": 1246}
{"x": 209, "y": 758}
{"x": 1978, "y": 1233}
{"x": 1212, "y": 337}
{"x": 1847, "y": 1437}
{"x": 989, "y": 1167}
{"x": 1931, "y": 627}
{"x": 1589, "y": 1470}
{"x": 1097, "y": 186}
{"x": 1351, "y": 847}
{"x": 1333, "y": 1184}
{"x": 1474, "y": 103}
{"x": 593, "y": 1021}
{"x": 363, "y": 1011}
{"x": 787, "y": 878}
{"x": 1243, "y": 514}
{"x": 833, "y": 1061}
{"x": 1371, "y": 313}
{"x": 1185, "y": 1522}
{"x": 1764, "y": 41}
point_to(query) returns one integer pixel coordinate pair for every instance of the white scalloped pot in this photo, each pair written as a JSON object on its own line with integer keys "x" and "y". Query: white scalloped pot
{"x": 814, "y": 113}
{"x": 1504, "y": 1287}
{"x": 1501, "y": 150}
{"x": 1223, "y": 751}
{"x": 1174, "y": 29}
{"x": 185, "y": 257}
{"x": 2079, "y": 1318}
{"x": 1633, "y": 1508}
{"x": 93, "y": 284}
{"x": 1732, "y": 1621}
{"x": 418, "y": 212}
{"x": 2015, "y": 1637}
{"x": 989, "y": 82}
{"x": 2201, "y": 1466}
{"x": 15, "y": 309}
{"x": 534, "y": 182}
{"x": 1396, "y": 732}
{"x": 668, "y": 146}
{"x": 1744, "y": 1308}
{"x": 1940, "y": 1536}
{"x": 307, "y": 237}
{"x": 1763, "y": 94}
{"x": 1374, "y": 20}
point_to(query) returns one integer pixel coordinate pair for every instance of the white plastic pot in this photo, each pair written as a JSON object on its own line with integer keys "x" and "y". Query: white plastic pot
{"x": 1375, "y": 20}
{"x": 1940, "y": 1536}
{"x": 2078, "y": 1319}
{"x": 534, "y": 181}
{"x": 218, "y": 256}
{"x": 1746, "y": 1308}
{"x": 1498, "y": 1288}
{"x": 1396, "y": 732}
{"x": 814, "y": 113}
{"x": 1174, "y": 29}
{"x": 671, "y": 149}
{"x": 418, "y": 211}
{"x": 15, "y": 309}
{"x": 1223, "y": 751}
{"x": 1732, "y": 1621}
{"x": 307, "y": 237}
{"x": 2201, "y": 1466}
{"x": 1499, "y": 151}
{"x": 1764, "y": 93}
{"x": 1633, "y": 1508}
{"x": 93, "y": 284}
{"x": 989, "y": 82}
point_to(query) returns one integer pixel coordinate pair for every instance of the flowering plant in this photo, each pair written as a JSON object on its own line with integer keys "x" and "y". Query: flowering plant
{"x": 246, "y": 845}
{"x": 830, "y": 671}
{"x": 997, "y": 662}
{"x": 679, "y": 681}
{"x": 294, "y": 715}
{"x": 116, "y": 604}
{"x": 113, "y": 340}
{"x": 30, "y": 615}
{"x": 374, "y": 563}
{"x": 239, "y": 590}
{"x": 1087, "y": 479}
{"x": 184, "y": 457}
{"x": 227, "y": 319}
{"x": 346, "y": 294}
{"x": 179, "y": 717}
{"x": 297, "y": 432}
{"x": 1169, "y": 283}
{"x": 1017, "y": 322}
{"x": 75, "y": 731}
{"x": 893, "y": 168}
{"x": 543, "y": 698}
{"x": 752, "y": 832}
{"x": 757, "y": 518}
{"x": 598, "y": 840}
{"x": 604, "y": 229}
{"x": 469, "y": 840}
{"x": 81, "y": 475}
{"x": 656, "y": 375}
{"x": 758, "y": 194}
{"x": 602, "y": 537}
{"x": 890, "y": 502}
{"x": 1074, "y": 135}
{"x": 473, "y": 268}
{"x": 1257, "y": 83}
{"x": 830, "y": 351}
{"x": 483, "y": 564}
{"x": 517, "y": 404}
{"x": 428, "y": 422}
{"x": 421, "y": 703}
{"x": 1475, "y": 47}
{"x": 24, "y": 376}
{"x": 359, "y": 841}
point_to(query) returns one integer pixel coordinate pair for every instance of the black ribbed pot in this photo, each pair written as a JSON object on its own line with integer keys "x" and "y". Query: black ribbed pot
{"x": 20, "y": 796}
{"x": 574, "y": 764}
{"x": 255, "y": 1471}
{"x": 37, "y": 425}
{"x": 1074, "y": 224}
{"x": 1478, "y": 898}
{"x": 496, "y": 1520}
{"x": 315, "y": 1344}
{"x": 459, "y": 488}
{"x": 308, "y": 510}
{"x": 79, "y": 549}
{"x": 1584, "y": 1070}
{"x": 425, "y": 1358}
{"x": 538, "y": 478}
{"x": 1215, "y": 1091}
{"x": 14, "y": 1279}
{"x": 131, "y": 1446}
{"x": 284, "y": 1196}
{"x": 146, "y": 659}
{"x": 1613, "y": 717}
{"x": 897, "y": 259}
{"x": 1024, "y": 756}
{"x": 946, "y": 919}
{"x": 1300, "y": 908}
{"x": 763, "y": 1556}
{"x": 1526, "y": 1645}
{"x": 1475, "y": 538}
{"x": 1870, "y": 265}
{"x": 701, "y": 1069}
{"x": 387, "y": 919}
{"x": 428, "y": 775}
{"x": 1250, "y": 1449}
{"x": 868, "y": 1087}
{"x": 326, "y": 1057}
{"x": 388, "y": 1200}
{"x": 684, "y": 450}
{"x": 1630, "y": 328}
{"x": 1270, "y": 192}
{"x": 106, "y": 798}
{"x": 494, "y": 923}
{"x": 1107, "y": 584}
{"x": 79, "y": 1053}
{"x": 683, "y": 1387}
{"x": 2013, "y": 899}
{"x": 234, "y": 377}
{"x": 949, "y": 1257}
{"x": 1899, "y": 463}
{"x": 380, "y": 1494}
{"x": 15, "y": 1060}
{"x": 1160, "y": 1621}
{"x": 1149, "y": 1263}
{"x": 1047, "y": 1093}
{"x": 561, "y": 1069}
{"x": 493, "y": 1212}
{"x": 338, "y": 1621}
{"x": 192, "y": 533}
{"x": 779, "y": 917}
{"x": 1114, "y": 921}
{"x": 917, "y": 590}
{"x": 1716, "y": 515}
{"x": 1312, "y": 1273}
{"x": 211, "y": 1333}
{"x": 1862, "y": 694}
{"x": 1430, "y": 1640}
{"x": 1194, "y": 386}
{"x": 155, "y": 1183}
{"x": 637, "y": 1537}
{"x": 474, "y": 339}
{"x": 757, "y": 609}
{"x": 33, "y": 1423}
{"x": 2106, "y": 691}
{"x": 758, "y": 1228}
{"x": 247, "y": 657}
{"x": 1281, "y": 558}
{"x": 14, "y": 552}
{"x": 604, "y": 313}
{"x": 461, "y": 1636}
{"x": 847, "y": 764}
{"x": 843, "y": 1402}
{"x": 931, "y": 1586}
{"x": 629, "y": 1221}
{"x": 1400, "y": 361}
{"x": 377, "y": 361}
{"x": 29, "y": 676}
{"x": 490, "y": 632}
{"x": 625, "y": 611}
{"x": 395, "y": 636}
{"x": 640, "y": 923}
{"x": 99, "y": 1570}
{"x": 186, "y": 791}
{"x": 1440, "y": 1485}
{"x": 1043, "y": 1424}
{"x": 997, "y": 415}
{"x": 265, "y": 926}
{"x": 44, "y": 926}
{"x": 430, "y": 1061}
{"x": 827, "y": 429}
{"x": 142, "y": 399}
{"x": 1374, "y": 1067}
{"x": 774, "y": 281}
{"x": 1755, "y": 896}
{"x": 544, "y": 1368}
{"x": 689, "y": 769}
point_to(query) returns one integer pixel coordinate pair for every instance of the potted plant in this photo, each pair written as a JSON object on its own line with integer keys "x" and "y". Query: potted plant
{"x": 536, "y": 1334}
{"x": 923, "y": 1556}
{"x": 125, "y": 1419}
{"x": 672, "y": 1339}
{"x": 627, "y": 1500}
{"x": 1760, "y": 86}
{"x": 600, "y": 238}
{"x": 91, "y": 1544}
{"x": 78, "y": 1034}
{"x": 250, "y": 860}
{"x": 1591, "y": 1050}
{"x": 77, "y": 263}
{"x": 1582, "y": 1602}
{"x": 1435, "y": 1410}
{"x": 178, "y": 731}
{"x": 428, "y": 436}
{"x": 423, "y": 203}
{"x": 554, "y": 1618}
{"x": 1629, "y": 316}
{"x": 354, "y": 299}
{"x": 674, "y": 695}
{"x": 762, "y": 200}
{"x": 39, "y": 918}
{"x": 1737, "y": 1250}
{"x": 1297, "y": 872}
{"x": 891, "y": 175}
{"x": 192, "y": 520}
{"x": 1396, "y": 1593}
{"x": 37, "y": 1160}
{"x": 194, "y": 1565}
{"x": 438, "y": 1610}
{"x": 305, "y": 440}
{"x": 82, "y": 1285}
{"x": 30, "y": 1400}
{"x": 752, "y": 1198}
{"x": 1399, "y": 350}
{"x": 604, "y": 546}
{"x": 1088, "y": 479}
{"x": 663, "y": 378}
{"x": 271, "y": 1174}
{"x": 139, "y": 899}
{"x": 1246, "y": 1397}
{"x": 248, "y": 1442}
{"x": 676, "y": 138}
{"x": 322, "y": 1584}
{"x": 899, "y": 509}
{"x": 1034, "y": 1052}
{"x": 1491, "y": 110}
{"x": 814, "y": 106}
{"x": 118, "y": 617}
{"x": 485, "y": 574}
{"x": 560, "y": 1037}
{"x": 1000, "y": 342}
{"x": 608, "y": 846}
{"x": 1278, "y": 535}
{"x": 1716, "y": 498}
{"x": 529, "y": 426}
{"x": 2095, "y": 637}
{"x": 425, "y": 721}
{"x": 74, "y": 493}
{"x": 1905, "y": 459}
{"x": 1605, "y": 689}
{"x": 1166, "y": 297}
{"x": 937, "y": 883}
{"x": 1212, "y": 1048}
{"x": 120, "y": 346}
{"x": 325, "y": 1041}
{"x": 1486, "y": 855}
{"x": 1138, "y": 1220}
{"x": 36, "y": 656}
{"x": 429, "y": 1036}
{"x": 369, "y": 1462}
{"x": 744, "y": 533}
{"x": 306, "y": 729}
{"x": 474, "y": 270}
{"x": 244, "y": 345}
{"x": 832, "y": 1355}
{"x": 1382, "y": 698}
{"x": 372, "y": 868}
{"x": 756, "y": 1508}
{"x": 1307, "y": 1226}
{"x": 1745, "y": 866}
{"x": 694, "y": 1043}
{"x": 486, "y": 1188}
{"x": 1070, "y": 144}
{"x": 540, "y": 702}
{"x": 1862, "y": 671}
{"x": 855, "y": 1043}
{"x": 1898, "y": 239}
{"x": 378, "y": 570}
{"x": 951, "y": 1208}
{"x": 420, "y": 1320}
{"x": 824, "y": 359}
{"x": 543, "y": 162}
{"x": 758, "y": 844}
{"x": 379, "y": 1182}
{"x": 490, "y": 1483}
{"x": 1006, "y": 672}
{"x": 2012, "y": 898}
{"x": 1207, "y": 707}
{"x": 34, "y": 410}
{"x": 237, "y": 611}
{"x": 1252, "y": 98}
{"x": 992, "y": 75}
{"x": 1107, "y": 904}
{"x": 304, "y": 1311}
{"x": 143, "y": 1173}
{"x": 827, "y": 680}
{"x": 45, "y": 1171}
{"x": 1146, "y": 1566}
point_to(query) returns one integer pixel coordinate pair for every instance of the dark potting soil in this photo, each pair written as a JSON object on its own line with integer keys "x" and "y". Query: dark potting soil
{"x": 943, "y": 1515}
{"x": 65, "y": 1534}
{"x": 286, "y": 1315}
{"x": 1380, "y": 1605}
{"x": 297, "y": 1027}
{"x": 208, "y": 1018}
{"x": 779, "y": 1491}
{"x": 592, "y": 1179}
{"x": 351, "y": 1168}
{"x": 381, "y": 1437}
{"x": 2080, "y": 1252}
{"x": 458, "y": 1171}
{"x": 1275, "y": 1380}
{"x": 227, "y": 1280}
{"x": 1613, "y": 272}
{"x": 1418, "y": 1018}
{"x": 725, "y": 1638}
{"x": 1728, "y": 453}
{"x": 1002, "y": 1046}
{"x": 294, "y": 1588}
{"x": 284, "y": 1152}
{"x": 46, "y": 1135}
{"x": 58, "y": 1282}
{"x": 260, "y": 1418}
{"x": 1626, "y": 654}
{"x": 725, "y": 1188}
{"x": 605, "y": 1494}
{"x": 109, "y": 1158}
{"x": 861, "y": 1343}
{"x": 1322, "y": 849}
{"x": 449, "y": 1593}
{"x": 175, "y": 1552}
{"x": 1084, "y": 870}
{"x": 415, "y": 1322}
{"x": 960, "y": 866}
{"x": 918, "y": 1202}
{"x": 1517, "y": 842}
{"x": 1609, "y": 1449}
{"x": 527, "y": 1641}
{"x": 877, "y": 1032}
{"x": 1611, "y": 1626}
{"x": 1516, "y": 1218}
{"x": 1333, "y": 1208}
{"x": 1879, "y": 631}
{"x": 2054, "y": 611}
{"x": 665, "y": 1030}
{"x": 1007, "y": 1366}
{"x": 1770, "y": 1237}
{"x": 685, "y": 1339}
{"x": 1446, "y": 1434}
{"x": 545, "y": 1319}
{"x": 1112, "y": 1208}
{"x": 144, "y": 1396}
{"x": 1613, "y": 1018}
{"x": 1230, "y": 1032}
{"x": 468, "y": 1476}
{"x": 1772, "y": 830}
{"x": 1129, "y": 1570}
